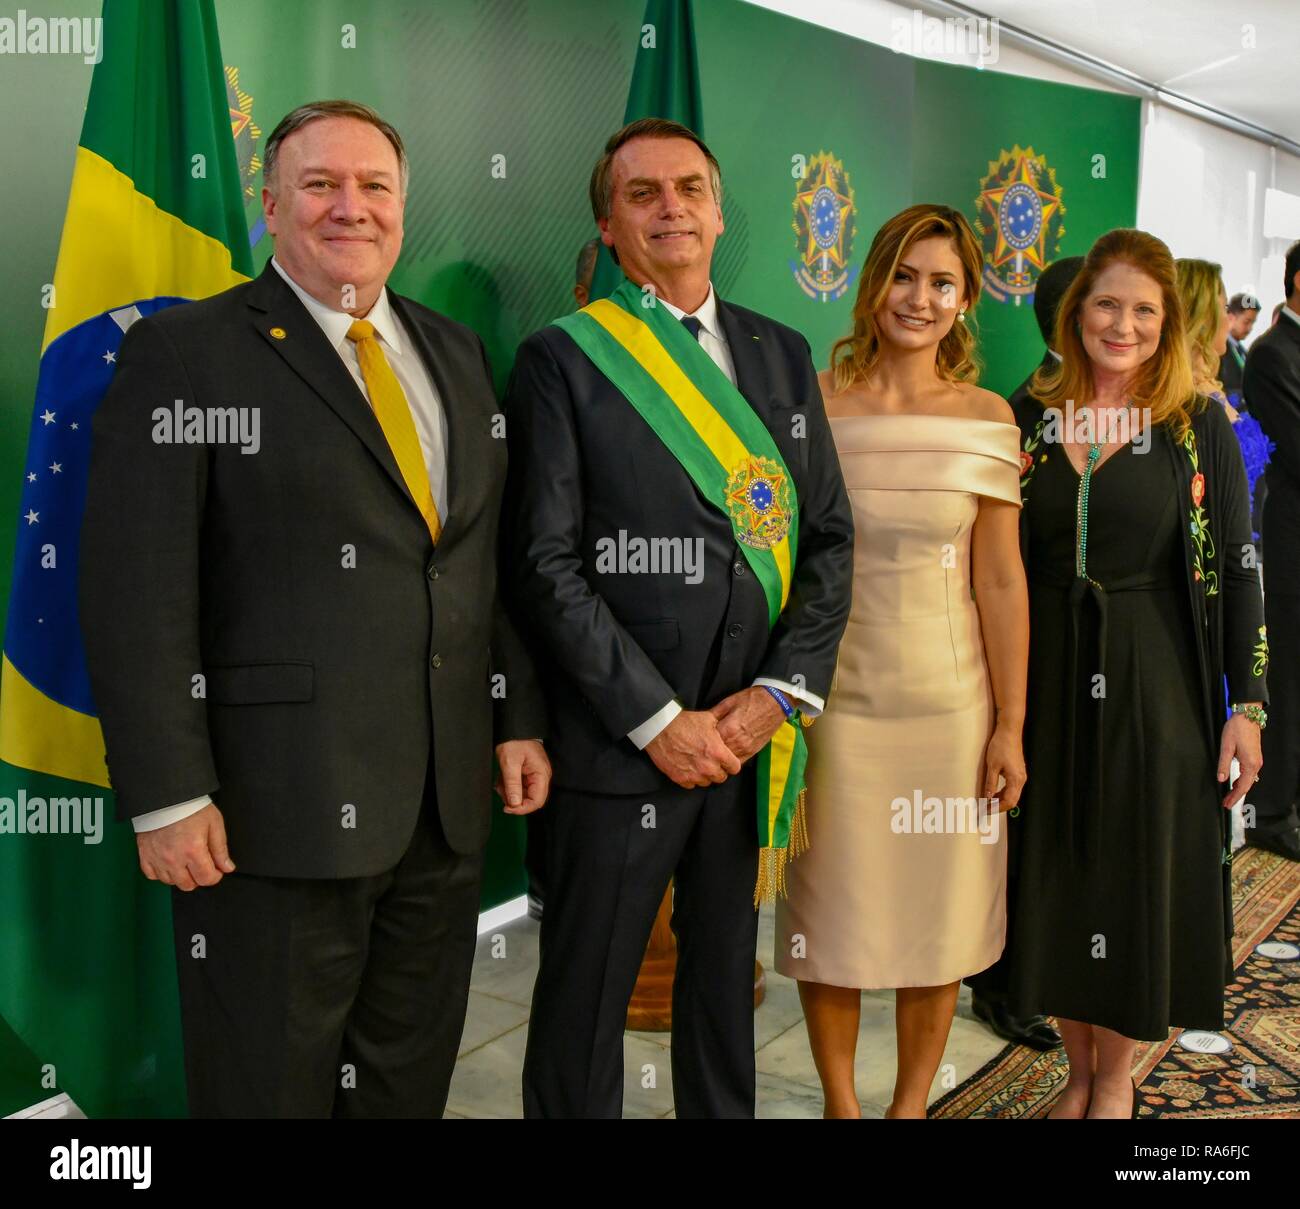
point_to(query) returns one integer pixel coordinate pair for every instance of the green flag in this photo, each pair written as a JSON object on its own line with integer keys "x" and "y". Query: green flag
{"x": 665, "y": 84}
{"x": 154, "y": 218}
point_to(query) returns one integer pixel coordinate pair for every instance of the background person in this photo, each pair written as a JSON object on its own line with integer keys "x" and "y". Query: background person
{"x": 1272, "y": 384}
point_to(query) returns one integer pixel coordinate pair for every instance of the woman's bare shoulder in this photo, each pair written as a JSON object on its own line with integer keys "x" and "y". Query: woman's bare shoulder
{"x": 852, "y": 401}
{"x": 984, "y": 404}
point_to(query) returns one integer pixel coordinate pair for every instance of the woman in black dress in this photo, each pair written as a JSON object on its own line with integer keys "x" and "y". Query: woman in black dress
{"x": 1143, "y": 596}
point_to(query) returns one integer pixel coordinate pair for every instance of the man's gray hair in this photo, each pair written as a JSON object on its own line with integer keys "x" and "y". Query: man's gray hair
{"x": 313, "y": 110}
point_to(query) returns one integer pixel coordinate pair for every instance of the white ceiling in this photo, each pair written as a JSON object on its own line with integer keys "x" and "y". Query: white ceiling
{"x": 1200, "y": 48}
{"x": 1242, "y": 59}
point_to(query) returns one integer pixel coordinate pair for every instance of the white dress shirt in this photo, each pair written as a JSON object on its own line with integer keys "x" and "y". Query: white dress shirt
{"x": 426, "y": 410}
{"x": 714, "y": 342}
{"x": 1290, "y": 314}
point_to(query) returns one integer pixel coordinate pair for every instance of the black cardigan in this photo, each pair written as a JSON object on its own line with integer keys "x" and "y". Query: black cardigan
{"x": 1222, "y": 578}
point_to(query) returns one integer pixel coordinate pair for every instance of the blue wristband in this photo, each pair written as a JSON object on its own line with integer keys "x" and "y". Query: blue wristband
{"x": 782, "y": 700}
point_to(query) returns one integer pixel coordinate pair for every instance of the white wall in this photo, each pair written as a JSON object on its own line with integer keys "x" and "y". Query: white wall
{"x": 1201, "y": 189}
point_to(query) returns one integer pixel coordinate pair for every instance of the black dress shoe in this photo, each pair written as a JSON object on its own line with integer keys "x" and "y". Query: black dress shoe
{"x": 1282, "y": 843}
{"x": 1034, "y": 1031}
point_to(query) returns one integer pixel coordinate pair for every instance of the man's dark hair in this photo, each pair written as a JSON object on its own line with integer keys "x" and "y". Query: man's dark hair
{"x": 586, "y": 263}
{"x": 1292, "y": 268}
{"x": 601, "y": 188}
{"x": 1052, "y": 284}
{"x": 1239, "y": 304}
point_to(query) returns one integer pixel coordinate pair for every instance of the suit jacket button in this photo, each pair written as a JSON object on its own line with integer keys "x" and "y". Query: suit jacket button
{"x": 436, "y": 661}
{"x": 735, "y": 630}
{"x": 433, "y": 572}
{"x": 738, "y": 566}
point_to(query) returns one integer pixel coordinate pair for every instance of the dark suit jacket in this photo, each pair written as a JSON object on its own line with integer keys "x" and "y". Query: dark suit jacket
{"x": 1020, "y": 396}
{"x": 1231, "y": 372}
{"x": 585, "y": 466}
{"x": 327, "y": 686}
{"x": 1271, "y": 385}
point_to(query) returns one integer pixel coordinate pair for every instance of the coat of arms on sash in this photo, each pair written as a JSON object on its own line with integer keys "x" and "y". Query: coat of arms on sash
{"x": 758, "y": 502}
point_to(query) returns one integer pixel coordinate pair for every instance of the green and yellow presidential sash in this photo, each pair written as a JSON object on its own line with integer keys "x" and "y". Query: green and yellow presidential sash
{"x": 710, "y": 428}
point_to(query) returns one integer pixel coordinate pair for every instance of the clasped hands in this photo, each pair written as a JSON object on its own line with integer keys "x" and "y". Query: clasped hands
{"x": 705, "y": 747}
{"x": 194, "y": 852}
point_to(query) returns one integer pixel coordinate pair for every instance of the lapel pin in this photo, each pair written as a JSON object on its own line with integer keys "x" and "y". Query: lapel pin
{"x": 278, "y": 333}
{"x": 754, "y": 337}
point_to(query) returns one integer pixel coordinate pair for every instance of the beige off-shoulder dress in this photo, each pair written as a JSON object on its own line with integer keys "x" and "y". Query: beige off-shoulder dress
{"x": 900, "y": 888}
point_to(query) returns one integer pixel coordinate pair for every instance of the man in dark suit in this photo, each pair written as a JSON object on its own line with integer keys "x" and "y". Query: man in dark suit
{"x": 663, "y": 679}
{"x": 1243, "y": 310}
{"x": 297, "y": 649}
{"x": 1052, "y": 284}
{"x": 1271, "y": 385}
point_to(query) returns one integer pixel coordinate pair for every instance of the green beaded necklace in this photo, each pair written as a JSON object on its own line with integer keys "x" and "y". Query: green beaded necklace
{"x": 1081, "y": 513}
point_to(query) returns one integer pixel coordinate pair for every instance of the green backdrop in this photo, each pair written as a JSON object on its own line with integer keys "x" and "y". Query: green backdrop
{"x": 541, "y": 83}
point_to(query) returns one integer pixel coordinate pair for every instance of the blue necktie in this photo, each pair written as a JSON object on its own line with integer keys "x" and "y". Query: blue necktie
{"x": 692, "y": 325}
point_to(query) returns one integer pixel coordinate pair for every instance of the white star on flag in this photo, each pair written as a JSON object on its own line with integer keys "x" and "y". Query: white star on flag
{"x": 109, "y": 357}
{"x": 57, "y": 467}
{"x": 32, "y": 517}
{"x": 48, "y": 416}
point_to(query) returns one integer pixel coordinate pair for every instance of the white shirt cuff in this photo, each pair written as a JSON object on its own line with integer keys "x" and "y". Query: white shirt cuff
{"x": 169, "y": 814}
{"x": 643, "y": 734}
{"x": 810, "y": 703}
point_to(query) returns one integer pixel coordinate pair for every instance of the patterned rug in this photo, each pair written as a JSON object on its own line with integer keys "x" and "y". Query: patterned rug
{"x": 1257, "y": 1074}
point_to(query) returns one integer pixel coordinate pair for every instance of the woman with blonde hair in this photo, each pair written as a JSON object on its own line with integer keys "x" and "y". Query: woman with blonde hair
{"x": 903, "y": 885}
{"x": 1142, "y": 598}
{"x": 1200, "y": 286}
{"x": 1205, "y": 305}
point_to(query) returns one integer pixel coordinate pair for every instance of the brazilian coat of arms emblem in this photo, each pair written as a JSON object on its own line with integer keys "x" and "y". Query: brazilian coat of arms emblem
{"x": 824, "y": 225}
{"x": 758, "y": 502}
{"x": 1020, "y": 219}
{"x": 244, "y": 131}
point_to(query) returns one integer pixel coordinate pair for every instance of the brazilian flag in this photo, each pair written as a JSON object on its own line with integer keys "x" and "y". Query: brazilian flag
{"x": 155, "y": 218}
{"x": 665, "y": 84}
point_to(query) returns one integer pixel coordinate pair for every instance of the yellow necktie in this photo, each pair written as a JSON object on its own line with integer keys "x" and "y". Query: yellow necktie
{"x": 394, "y": 415}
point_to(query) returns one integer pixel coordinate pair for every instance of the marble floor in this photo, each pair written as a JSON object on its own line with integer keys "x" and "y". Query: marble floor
{"x": 487, "y": 1078}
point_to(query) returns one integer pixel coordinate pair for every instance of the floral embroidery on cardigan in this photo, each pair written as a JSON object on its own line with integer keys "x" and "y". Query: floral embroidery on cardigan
{"x": 1202, "y": 540}
{"x": 1027, "y": 463}
{"x": 1261, "y": 652}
